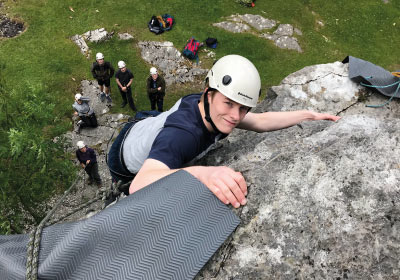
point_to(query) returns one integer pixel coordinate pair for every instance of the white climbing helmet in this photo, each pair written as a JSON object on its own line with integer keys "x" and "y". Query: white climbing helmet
{"x": 99, "y": 55}
{"x": 237, "y": 78}
{"x": 153, "y": 71}
{"x": 121, "y": 64}
{"x": 80, "y": 144}
{"x": 78, "y": 96}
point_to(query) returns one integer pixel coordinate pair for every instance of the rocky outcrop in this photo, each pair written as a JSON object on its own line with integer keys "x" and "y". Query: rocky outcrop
{"x": 324, "y": 197}
{"x": 175, "y": 68}
{"x": 283, "y": 36}
{"x": 100, "y": 139}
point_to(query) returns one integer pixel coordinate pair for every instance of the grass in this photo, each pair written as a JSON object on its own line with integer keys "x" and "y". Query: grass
{"x": 45, "y": 54}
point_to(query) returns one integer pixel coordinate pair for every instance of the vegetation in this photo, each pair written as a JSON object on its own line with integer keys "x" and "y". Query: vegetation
{"x": 42, "y": 68}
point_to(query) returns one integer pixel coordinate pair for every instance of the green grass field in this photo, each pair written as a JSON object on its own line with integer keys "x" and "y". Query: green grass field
{"x": 44, "y": 57}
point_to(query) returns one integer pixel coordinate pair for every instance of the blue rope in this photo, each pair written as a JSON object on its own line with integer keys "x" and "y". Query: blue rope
{"x": 390, "y": 99}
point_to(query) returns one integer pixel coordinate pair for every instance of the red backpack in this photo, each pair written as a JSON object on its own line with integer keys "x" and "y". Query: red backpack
{"x": 191, "y": 48}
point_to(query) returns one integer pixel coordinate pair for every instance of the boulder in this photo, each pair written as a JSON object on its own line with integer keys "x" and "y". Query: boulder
{"x": 324, "y": 197}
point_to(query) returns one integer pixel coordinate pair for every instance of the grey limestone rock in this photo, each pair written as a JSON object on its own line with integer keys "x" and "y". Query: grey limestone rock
{"x": 80, "y": 42}
{"x": 282, "y": 36}
{"x": 97, "y": 35}
{"x": 165, "y": 57}
{"x": 324, "y": 197}
{"x": 125, "y": 36}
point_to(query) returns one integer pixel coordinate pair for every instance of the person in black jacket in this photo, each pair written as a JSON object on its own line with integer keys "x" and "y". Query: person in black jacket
{"x": 88, "y": 161}
{"x": 124, "y": 79}
{"x": 102, "y": 71}
{"x": 156, "y": 89}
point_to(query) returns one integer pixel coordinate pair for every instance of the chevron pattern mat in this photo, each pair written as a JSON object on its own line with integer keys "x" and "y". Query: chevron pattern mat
{"x": 167, "y": 230}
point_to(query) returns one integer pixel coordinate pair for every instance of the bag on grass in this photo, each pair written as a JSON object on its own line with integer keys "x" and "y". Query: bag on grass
{"x": 191, "y": 48}
{"x": 211, "y": 42}
{"x": 169, "y": 21}
{"x": 155, "y": 26}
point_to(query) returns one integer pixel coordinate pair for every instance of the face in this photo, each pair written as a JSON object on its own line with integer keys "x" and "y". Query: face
{"x": 79, "y": 101}
{"x": 100, "y": 61}
{"x": 154, "y": 76}
{"x": 123, "y": 69}
{"x": 83, "y": 150}
{"x": 225, "y": 113}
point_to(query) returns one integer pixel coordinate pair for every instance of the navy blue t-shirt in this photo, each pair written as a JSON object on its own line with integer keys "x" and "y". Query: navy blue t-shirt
{"x": 184, "y": 135}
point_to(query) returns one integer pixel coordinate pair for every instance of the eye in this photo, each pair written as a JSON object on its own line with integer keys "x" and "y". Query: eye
{"x": 244, "y": 109}
{"x": 230, "y": 104}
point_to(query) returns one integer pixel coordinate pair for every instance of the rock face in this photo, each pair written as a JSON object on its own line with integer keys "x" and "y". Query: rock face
{"x": 100, "y": 139}
{"x": 324, "y": 197}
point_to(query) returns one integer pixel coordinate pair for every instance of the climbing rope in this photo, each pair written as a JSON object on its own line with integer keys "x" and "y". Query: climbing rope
{"x": 390, "y": 99}
{"x": 34, "y": 239}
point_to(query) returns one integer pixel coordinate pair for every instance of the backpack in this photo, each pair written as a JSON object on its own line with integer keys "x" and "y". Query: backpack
{"x": 191, "y": 48}
{"x": 168, "y": 21}
{"x": 211, "y": 42}
{"x": 155, "y": 25}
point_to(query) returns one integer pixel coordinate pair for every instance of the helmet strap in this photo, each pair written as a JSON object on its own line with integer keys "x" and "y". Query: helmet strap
{"x": 207, "y": 112}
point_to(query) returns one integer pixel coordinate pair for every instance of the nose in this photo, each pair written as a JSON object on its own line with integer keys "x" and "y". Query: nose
{"x": 235, "y": 113}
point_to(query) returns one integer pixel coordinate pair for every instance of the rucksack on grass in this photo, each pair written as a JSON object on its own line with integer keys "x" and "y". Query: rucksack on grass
{"x": 191, "y": 49}
{"x": 159, "y": 24}
{"x": 155, "y": 25}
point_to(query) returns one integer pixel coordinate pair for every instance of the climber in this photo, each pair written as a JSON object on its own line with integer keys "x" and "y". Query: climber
{"x": 84, "y": 111}
{"x": 88, "y": 161}
{"x": 102, "y": 71}
{"x": 158, "y": 146}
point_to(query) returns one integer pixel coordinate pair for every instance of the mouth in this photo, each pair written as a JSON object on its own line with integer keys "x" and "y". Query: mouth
{"x": 232, "y": 124}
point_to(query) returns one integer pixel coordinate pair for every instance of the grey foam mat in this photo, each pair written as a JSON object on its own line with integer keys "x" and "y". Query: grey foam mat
{"x": 371, "y": 74}
{"x": 167, "y": 230}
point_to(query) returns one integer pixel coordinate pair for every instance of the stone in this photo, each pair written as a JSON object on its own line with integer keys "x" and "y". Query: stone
{"x": 97, "y": 35}
{"x": 258, "y": 22}
{"x": 284, "y": 30}
{"x": 287, "y": 42}
{"x": 80, "y": 42}
{"x": 235, "y": 27}
{"x": 125, "y": 36}
{"x": 282, "y": 36}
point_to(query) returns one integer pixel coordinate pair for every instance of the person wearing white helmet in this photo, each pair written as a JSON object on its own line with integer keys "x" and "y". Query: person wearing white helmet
{"x": 88, "y": 160}
{"x": 156, "y": 89}
{"x": 102, "y": 71}
{"x": 156, "y": 147}
{"x": 124, "y": 79}
{"x": 84, "y": 111}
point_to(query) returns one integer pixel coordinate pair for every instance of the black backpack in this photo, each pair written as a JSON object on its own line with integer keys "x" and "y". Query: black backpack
{"x": 155, "y": 26}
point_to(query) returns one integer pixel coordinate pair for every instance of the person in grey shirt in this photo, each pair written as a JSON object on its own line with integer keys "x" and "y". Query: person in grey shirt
{"x": 84, "y": 111}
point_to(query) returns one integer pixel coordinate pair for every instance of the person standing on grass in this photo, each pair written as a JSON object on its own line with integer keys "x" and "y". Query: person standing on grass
{"x": 156, "y": 89}
{"x": 102, "y": 71}
{"x": 87, "y": 159}
{"x": 124, "y": 78}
